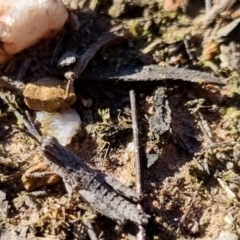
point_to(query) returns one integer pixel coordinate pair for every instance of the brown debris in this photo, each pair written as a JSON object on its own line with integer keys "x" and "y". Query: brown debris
{"x": 216, "y": 10}
{"x": 150, "y": 73}
{"x": 210, "y": 50}
{"x": 172, "y": 5}
{"x": 117, "y": 8}
{"x": 32, "y": 182}
{"x": 48, "y": 94}
{"x": 236, "y": 12}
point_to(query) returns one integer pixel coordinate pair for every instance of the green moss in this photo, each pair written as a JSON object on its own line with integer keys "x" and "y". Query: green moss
{"x": 230, "y": 112}
{"x": 104, "y": 114}
{"x": 231, "y": 116}
{"x": 136, "y": 29}
{"x": 229, "y": 176}
{"x": 209, "y": 64}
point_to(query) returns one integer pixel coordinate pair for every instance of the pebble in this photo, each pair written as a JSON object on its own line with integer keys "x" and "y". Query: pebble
{"x": 62, "y": 125}
{"x": 227, "y": 236}
{"x": 3, "y": 204}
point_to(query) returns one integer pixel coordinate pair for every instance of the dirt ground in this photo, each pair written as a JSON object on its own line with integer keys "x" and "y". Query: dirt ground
{"x": 190, "y": 169}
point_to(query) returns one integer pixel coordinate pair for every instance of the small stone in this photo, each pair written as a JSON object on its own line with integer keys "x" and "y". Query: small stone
{"x": 67, "y": 59}
{"x": 236, "y": 152}
{"x": 117, "y": 8}
{"x": 227, "y": 236}
{"x": 87, "y": 103}
{"x": 3, "y": 204}
{"x": 62, "y": 125}
{"x": 48, "y": 94}
{"x": 151, "y": 159}
{"x": 230, "y": 165}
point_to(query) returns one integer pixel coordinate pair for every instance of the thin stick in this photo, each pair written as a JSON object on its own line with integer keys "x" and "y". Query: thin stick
{"x": 149, "y": 73}
{"x": 136, "y": 142}
{"x": 57, "y": 48}
{"x": 208, "y": 5}
{"x": 204, "y": 126}
{"x": 187, "y": 47}
{"x": 216, "y": 10}
{"x": 33, "y": 128}
{"x": 23, "y": 69}
{"x": 27, "y": 122}
{"x": 4, "y": 179}
{"x": 91, "y": 233}
{"x": 103, "y": 41}
{"x": 5, "y": 84}
{"x": 189, "y": 208}
{"x": 141, "y": 233}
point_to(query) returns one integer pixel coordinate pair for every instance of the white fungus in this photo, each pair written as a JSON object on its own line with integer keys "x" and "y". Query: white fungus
{"x": 25, "y": 22}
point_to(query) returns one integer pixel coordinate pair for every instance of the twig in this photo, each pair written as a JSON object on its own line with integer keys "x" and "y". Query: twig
{"x": 57, "y": 48}
{"x": 41, "y": 193}
{"x": 205, "y": 128}
{"x": 187, "y": 47}
{"x": 33, "y": 128}
{"x": 23, "y": 69}
{"x": 136, "y": 142}
{"x": 4, "y": 82}
{"x": 4, "y": 179}
{"x": 220, "y": 144}
{"x": 91, "y": 233}
{"x": 216, "y": 10}
{"x": 85, "y": 58}
{"x": 10, "y": 65}
{"x": 208, "y": 5}
{"x": 27, "y": 123}
{"x": 189, "y": 207}
{"x": 149, "y": 73}
{"x": 104, "y": 40}
{"x": 69, "y": 87}
{"x": 142, "y": 233}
